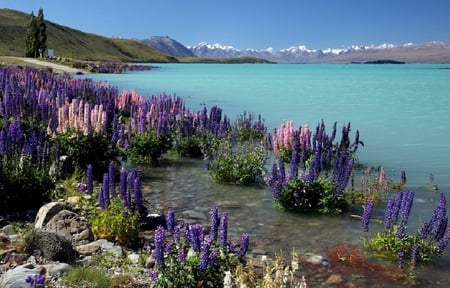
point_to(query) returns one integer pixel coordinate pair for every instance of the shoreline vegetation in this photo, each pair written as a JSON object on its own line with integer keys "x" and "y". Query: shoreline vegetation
{"x": 90, "y": 130}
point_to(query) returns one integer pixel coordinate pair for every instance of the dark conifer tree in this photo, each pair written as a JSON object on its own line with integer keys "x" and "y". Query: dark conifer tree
{"x": 42, "y": 33}
{"x": 31, "y": 45}
{"x": 36, "y": 35}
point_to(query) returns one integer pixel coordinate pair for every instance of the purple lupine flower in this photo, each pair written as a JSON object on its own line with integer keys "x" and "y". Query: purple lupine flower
{"x": 154, "y": 275}
{"x": 443, "y": 243}
{"x": 89, "y": 180}
{"x": 274, "y": 182}
{"x": 187, "y": 232}
{"x": 439, "y": 219}
{"x": 214, "y": 222}
{"x": 181, "y": 254}
{"x": 123, "y": 183}
{"x": 401, "y": 231}
{"x": 400, "y": 258}
{"x": 3, "y": 142}
{"x": 388, "y": 214}
{"x": 414, "y": 255}
{"x": 425, "y": 230}
{"x": 204, "y": 254}
{"x": 158, "y": 253}
{"x": 367, "y": 214}
{"x": 82, "y": 187}
{"x": 405, "y": 206}
{"x": 111, "y": 180}
{"x": 137, "y": 188}
{"x": 403, "y": 177}
{"x": 105, "y": 189}
{"x": 213, "y": 256}
{"x": 224, "y": 230}
{"x": 37, "y": 280}
{"x": 243, "y": 247}
{"x": 177, "y": 233}
{"x": 170, "y": 220}
{"x": 196, "y": 236}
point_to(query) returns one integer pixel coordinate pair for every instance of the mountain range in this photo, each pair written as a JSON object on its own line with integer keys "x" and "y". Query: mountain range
{"x": 430, "y": 52}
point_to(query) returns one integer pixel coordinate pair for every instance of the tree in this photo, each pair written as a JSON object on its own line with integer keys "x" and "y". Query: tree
{"x": 42, "y": 37}
{"x": 36, "y": 36}
{"x": 30, "y": 37}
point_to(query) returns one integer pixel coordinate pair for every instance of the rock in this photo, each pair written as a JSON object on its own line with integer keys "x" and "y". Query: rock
{"x": 51, "y": 246}
{"x": 74, "y": 200}
{"x": 134, "y": 258}
{"x": 334, "y": 279}
{"x": 4, "y": 254}
{"x": 62, "y": 168}
{"x": 71, "y": 226}
{"x": 8, "y": 230}
{"x": 14, "y": 258}
{"x": 88, "y": 249}
{"x": 152, "y": 221}
{"x": 4, "y": 238}
{"x": 315, "y": 259}
{"x": 47, "y": 212}
{"x": 104, "y": 244}
{"x": 15, "y": 278}
{"x": 55, "y": 269}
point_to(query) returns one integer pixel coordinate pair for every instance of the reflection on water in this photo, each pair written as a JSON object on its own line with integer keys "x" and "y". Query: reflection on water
{"x": 187, "y": 189}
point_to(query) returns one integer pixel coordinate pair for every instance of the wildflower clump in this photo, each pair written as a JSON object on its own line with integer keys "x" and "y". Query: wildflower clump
{"x": 318, "y": 171}
{"x": 395, "y": 243}
{"x": 119, "y": 214}
{"x": 186, "y": 255}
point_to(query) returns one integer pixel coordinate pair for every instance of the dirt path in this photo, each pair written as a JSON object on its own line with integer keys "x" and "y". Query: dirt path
{"x": 55, "y": 67}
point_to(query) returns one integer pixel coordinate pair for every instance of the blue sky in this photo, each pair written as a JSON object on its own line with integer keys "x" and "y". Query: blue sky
{"x": 259, "y": 24}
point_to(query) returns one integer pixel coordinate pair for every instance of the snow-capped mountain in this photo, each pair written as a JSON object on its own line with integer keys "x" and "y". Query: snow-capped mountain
{"x": 430, "y": 52}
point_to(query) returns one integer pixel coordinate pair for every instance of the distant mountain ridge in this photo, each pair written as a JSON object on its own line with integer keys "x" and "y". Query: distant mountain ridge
{"x": 168, "y": 46}
{"x": 430, "y": 52}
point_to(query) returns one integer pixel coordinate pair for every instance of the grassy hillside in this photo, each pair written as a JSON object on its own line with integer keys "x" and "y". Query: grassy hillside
{"x": 71, "y": 43}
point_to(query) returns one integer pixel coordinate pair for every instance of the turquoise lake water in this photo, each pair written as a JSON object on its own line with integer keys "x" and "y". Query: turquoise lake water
{"x": 401, "y": 111}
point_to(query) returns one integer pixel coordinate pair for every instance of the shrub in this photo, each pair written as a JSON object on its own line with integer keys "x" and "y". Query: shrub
{"x": 116, "y": 224}
{"x": 23, "y": 186}
{"x": 83, "y": 149}
{"x": 148, "y": 147}
{"x": 318, "y": 172}
{"x": 240, "y": 163}
{"x": 396, "y": 244}
{"x": 190, "y": 258}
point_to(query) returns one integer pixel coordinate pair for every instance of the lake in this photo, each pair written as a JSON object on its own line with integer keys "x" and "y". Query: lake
{"x": 401, "y": 111}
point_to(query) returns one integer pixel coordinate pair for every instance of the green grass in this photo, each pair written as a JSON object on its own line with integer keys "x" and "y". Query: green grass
{"x": 75, "y": 44}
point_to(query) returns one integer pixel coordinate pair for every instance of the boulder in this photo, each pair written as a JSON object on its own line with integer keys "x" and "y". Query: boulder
{"x": 47, "y": 212}
{"x": 15, "y": 278}
{"x": 71, "y": 226}
{"x": 51, "y": 246}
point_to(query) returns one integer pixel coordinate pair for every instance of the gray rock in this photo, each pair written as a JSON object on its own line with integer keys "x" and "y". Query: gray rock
{"x": 9, "y": 230}
{"x": 71, "y": 226}
{"x": 15, "y": 278}
{"x": 51, "y": 246}
{"x": 47, "y": 212}
{"x": 88, "y": 249}
{"x": 55, "y": 269}
{"x": 134, "y": 258}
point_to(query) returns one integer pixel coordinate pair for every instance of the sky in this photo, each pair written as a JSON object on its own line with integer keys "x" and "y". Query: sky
{"x": 258, "y": 24}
